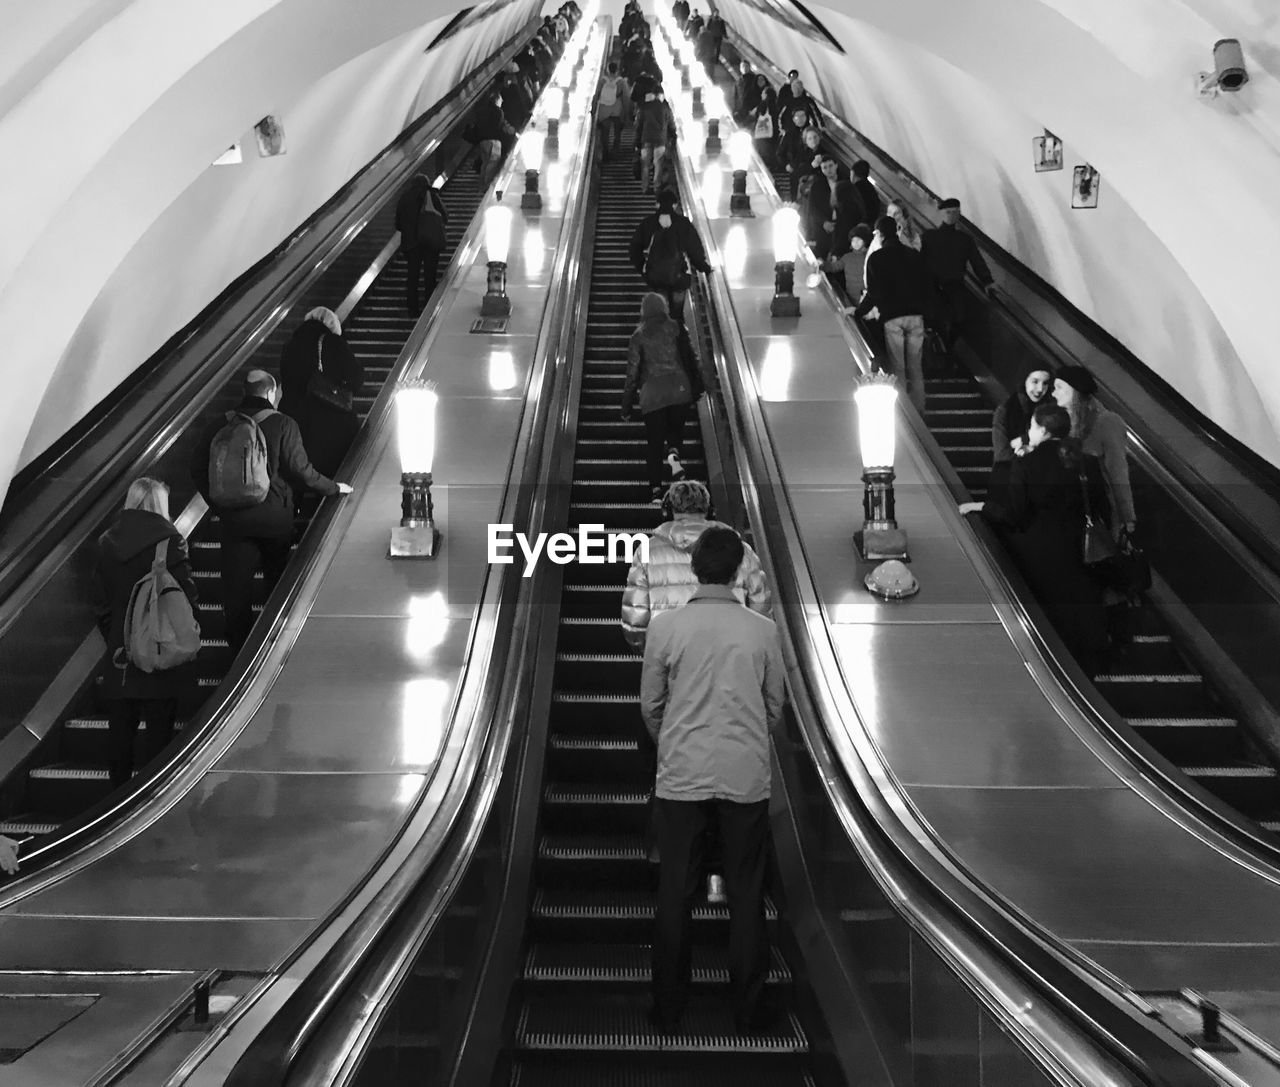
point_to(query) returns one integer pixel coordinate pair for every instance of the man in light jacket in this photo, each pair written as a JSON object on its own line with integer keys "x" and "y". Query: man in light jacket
{"x": 711, "y": 691}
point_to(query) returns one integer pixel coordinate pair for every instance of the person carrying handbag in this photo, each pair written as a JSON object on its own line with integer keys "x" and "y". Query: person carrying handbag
{"x": 660, "y": 375}
{"x": 319, "y": 377}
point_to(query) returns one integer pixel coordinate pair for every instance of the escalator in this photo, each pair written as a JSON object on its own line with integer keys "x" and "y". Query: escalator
{"x": 1149, "y": 683}
{"x": 69, "y": 772}
{"x": 578, "y": 1012}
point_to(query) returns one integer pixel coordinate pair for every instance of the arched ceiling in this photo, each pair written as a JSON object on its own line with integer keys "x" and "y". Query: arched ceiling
{"x": 110, "y": 108}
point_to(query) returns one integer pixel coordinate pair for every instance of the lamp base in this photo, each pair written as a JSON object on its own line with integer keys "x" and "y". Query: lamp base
{"x": 878, "y": 544}
{"x": 784, "y": 305}
{"x": 531, "y": 201}
{"x": 495, "y": 305}
{"x": 415, "y": 541}
{"x": 740, "y": 206}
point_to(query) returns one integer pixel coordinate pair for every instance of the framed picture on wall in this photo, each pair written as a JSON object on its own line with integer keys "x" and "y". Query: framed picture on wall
{"x": 1085, "y": 183}
{"x": 1047, "y": 152}
{"x": 270, "y": 133}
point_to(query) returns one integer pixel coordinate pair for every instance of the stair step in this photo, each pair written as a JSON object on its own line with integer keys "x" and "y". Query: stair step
{"x": 630, "y": 963}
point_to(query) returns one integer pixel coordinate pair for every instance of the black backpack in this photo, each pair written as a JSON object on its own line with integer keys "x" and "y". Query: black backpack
{"x": 664, "y": 262}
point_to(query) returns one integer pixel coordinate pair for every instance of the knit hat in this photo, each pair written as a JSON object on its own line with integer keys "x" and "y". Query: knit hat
{"x": 1078, "y": 378}
{"x": 949, "y": 202}
{"x": 667, "y": 200}
{"x": 861, "y": 231}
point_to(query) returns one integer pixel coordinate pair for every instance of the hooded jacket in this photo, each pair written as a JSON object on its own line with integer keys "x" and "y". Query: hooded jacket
{"x": 687, "y": 239}
{"x": 125, "y": 554}
{"x": 659, "y": 357}
{"x": 667, "y": 580}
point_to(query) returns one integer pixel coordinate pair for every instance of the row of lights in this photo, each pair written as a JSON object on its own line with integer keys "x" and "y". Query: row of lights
{"x": 565, "y": 100}
{"x": 876, "y": 395}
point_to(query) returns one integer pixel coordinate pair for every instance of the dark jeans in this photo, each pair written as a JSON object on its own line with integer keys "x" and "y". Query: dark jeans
{"x": 242, "y": 557}
{"x": 122, "y": 724}
{"x": 951, "y": 312}
{"x": 663, "y": 431}
{"x": 425, "y": 263}
{"x": 744, "y": 832}
{"x": 610, "y": 135}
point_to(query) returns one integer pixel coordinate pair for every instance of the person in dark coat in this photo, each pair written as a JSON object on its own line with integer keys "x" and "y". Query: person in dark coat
{"x": 492, "y": 135}
{"x": 1011, "y": 425}
{"x": 258, "y": 537}
{"x": 898, "y": 291}
{"x": 846, "y": 213}
{"x": 328, "y": 427}
{"x": 798, "y": 151}
{"x": 948, "y": 252}
{"x": 655, "y": 133}
{"x": 785, "y": 93}
{"x": 659, "y": 361}
{"x": 421, "y": 250}
{"x": 1041, "y": 517}
{"x": 662, "y": 248}
{"x": 798, "y": 101}
{"x": 860, "y": 171}
{"x": 817, "y": 215}
{"x": 125, "y": 554}
{"x": 707, "y": 51}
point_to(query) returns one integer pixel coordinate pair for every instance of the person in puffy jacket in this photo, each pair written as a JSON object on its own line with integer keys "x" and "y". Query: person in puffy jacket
{"x": 667, "y": 580}
{"x": 125, "y": 554}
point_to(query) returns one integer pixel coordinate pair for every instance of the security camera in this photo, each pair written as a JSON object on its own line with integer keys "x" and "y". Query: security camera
{"x": 1228, "y": 73}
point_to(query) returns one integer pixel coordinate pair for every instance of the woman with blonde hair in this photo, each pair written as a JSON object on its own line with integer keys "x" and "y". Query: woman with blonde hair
{"x": 125, "y": 554}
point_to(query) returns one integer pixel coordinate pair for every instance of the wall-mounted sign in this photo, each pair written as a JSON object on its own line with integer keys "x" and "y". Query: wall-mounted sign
{"x": 1047, "y": 152}
{"x": 1085, "y": 183}
{"x": 270, "y": 133}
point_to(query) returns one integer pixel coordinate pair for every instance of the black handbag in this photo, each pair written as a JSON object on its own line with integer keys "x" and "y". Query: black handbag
{"x": 1130, "y": 569}
{"x": 323, "y": 388}
{"x": 1098, "y": 545}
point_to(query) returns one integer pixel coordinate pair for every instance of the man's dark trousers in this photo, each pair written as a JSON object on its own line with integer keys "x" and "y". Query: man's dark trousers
{"x": 425, "y": 263}
{"x": 744, "y": 830}
{"x": 242, "y": 557}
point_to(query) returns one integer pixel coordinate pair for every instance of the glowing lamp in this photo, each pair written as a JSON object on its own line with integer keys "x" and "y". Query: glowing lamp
{"x": 531, "y": 145}
{"x": 740, "y": 148}
{"x": 877, "y": 404}
{"x": 497, "y": 243}
{"x": 416, "y": 536}
{"x": 786, "y": 243}
{"x": 711, "y": 183}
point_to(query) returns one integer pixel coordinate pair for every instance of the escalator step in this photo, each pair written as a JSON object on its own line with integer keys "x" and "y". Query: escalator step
{"x": 618, "y": 1022}
{"x": 630, "y": 963}
{"x": 606, "y": 1073}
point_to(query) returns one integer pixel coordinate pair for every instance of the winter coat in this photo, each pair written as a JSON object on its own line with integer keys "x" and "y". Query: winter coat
{"x": 816, "y": 214}
{"x": 125, "y": 554}
{"x": 897, "y": 282}
{"x": 327, "y": 431}
{"x": 1011, "y": 420}
{"x": 847, "y": 211}
{"x": 667, "y": 580}
{"x": 1042, "y": 517}
{"x": 655, "y": 123}
{"x": 409, "y": 212}
{"x": 290, "y": 468}
{"x": 870, "y": 197}
{"x": 490, "y": 124}
{"x": 659, "y": 358}
{"x": 1102, "y": 434}
{"x": 948, "y": 251}
{"x": 687, "y": 239}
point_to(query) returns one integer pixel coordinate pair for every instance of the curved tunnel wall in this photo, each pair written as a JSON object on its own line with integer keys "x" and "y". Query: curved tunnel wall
{"x": 956, "y": 92}
{"x": 115, "y": 230}
{"x": 111, "y": 111}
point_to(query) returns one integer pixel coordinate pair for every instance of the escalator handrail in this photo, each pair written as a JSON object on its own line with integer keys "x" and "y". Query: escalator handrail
{"x": 195, "y": 367}
{"x": 1247, "y": 542}
{"x": 79, "y": 831}
{"x": 440, "y": 854}
{"x": 1075, "y": 1026}
{"x": 94, "y": 834}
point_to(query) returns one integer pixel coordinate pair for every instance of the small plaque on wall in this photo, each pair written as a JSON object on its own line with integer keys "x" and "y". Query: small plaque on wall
{"x": 1047, "y": 152}
{"x": 1085, "y": 183}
